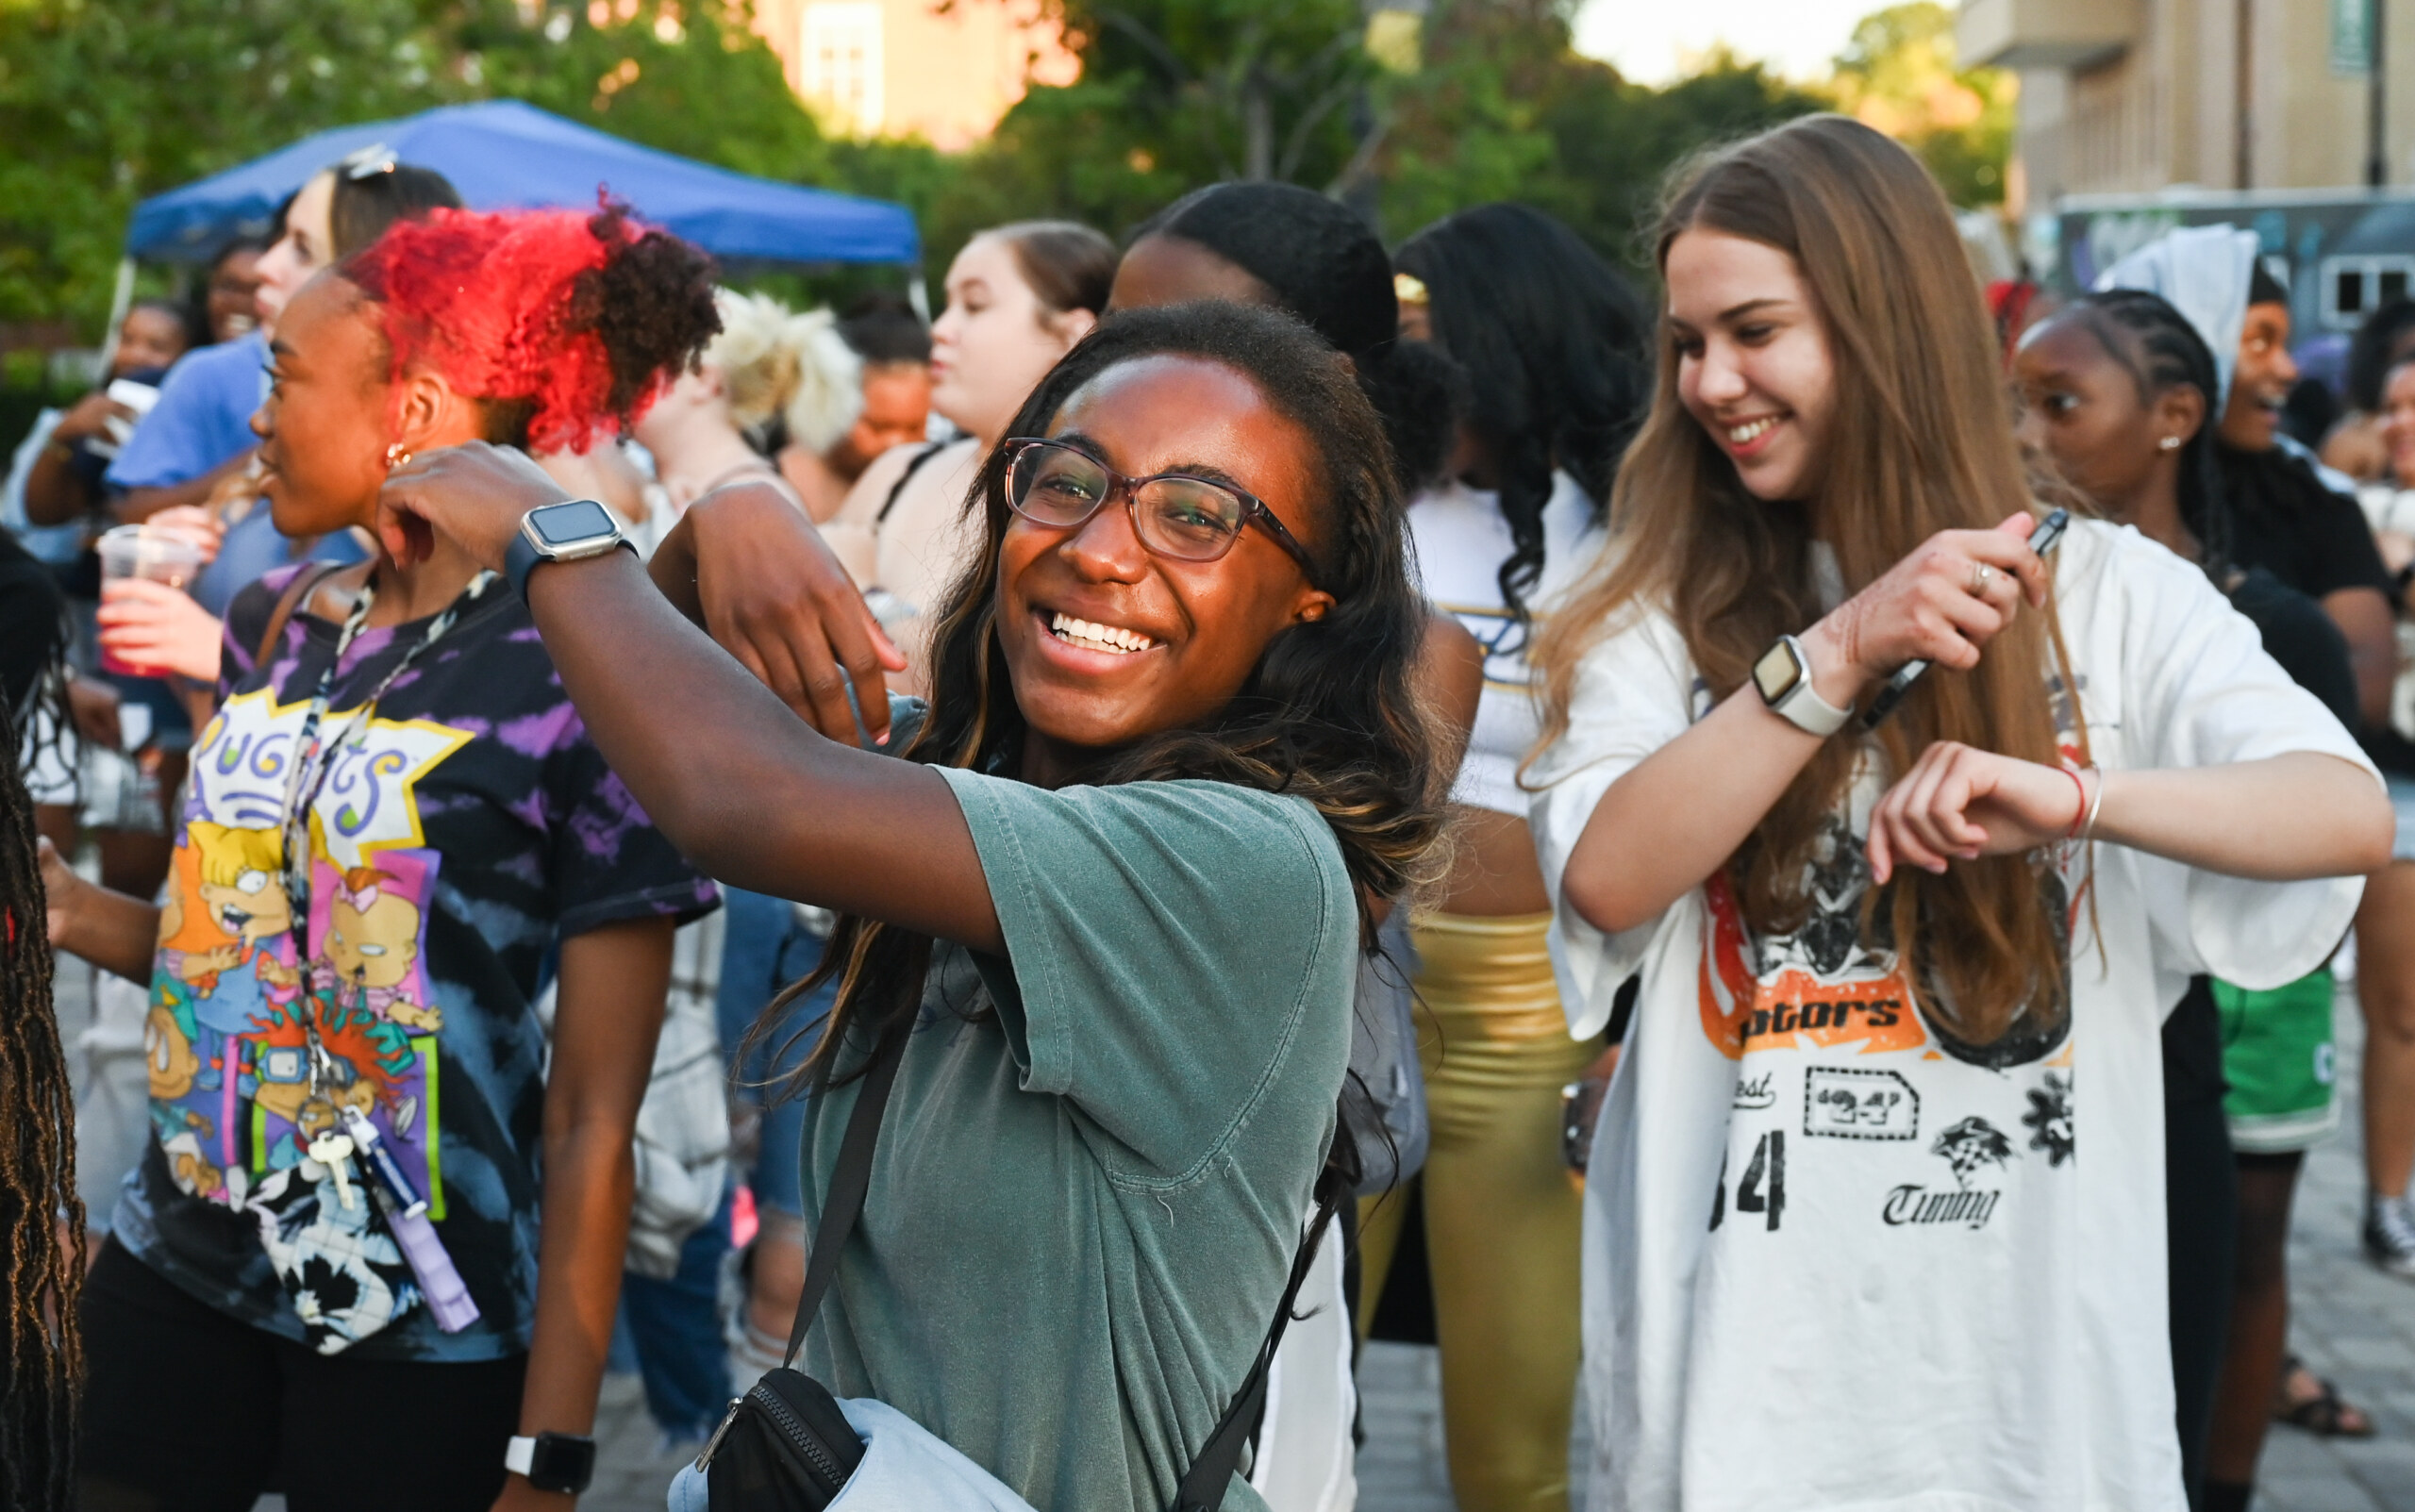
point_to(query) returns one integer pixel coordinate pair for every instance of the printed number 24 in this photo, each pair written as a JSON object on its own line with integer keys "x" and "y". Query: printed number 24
{"x": 1763, "y": 1189}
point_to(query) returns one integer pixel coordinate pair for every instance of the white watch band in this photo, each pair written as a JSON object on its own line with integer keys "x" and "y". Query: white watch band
{"x": 519, "y": 1453}
{"x": 1803, "y": 706}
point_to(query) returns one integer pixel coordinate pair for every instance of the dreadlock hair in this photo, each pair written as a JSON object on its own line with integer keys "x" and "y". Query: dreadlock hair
{"x": 36, "y": 1178}
{"x": 1555, "y": 347}
{"x": 566, "y": 325}
{"x": 2162, "y": 349}
{"x": 1331, "y": 714}
{"x": 1320, "y": 261}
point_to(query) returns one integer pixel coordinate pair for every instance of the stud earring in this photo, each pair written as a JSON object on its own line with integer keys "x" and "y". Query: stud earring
{"x": 2170, "y": 443}
{"x": 396, "y": 456}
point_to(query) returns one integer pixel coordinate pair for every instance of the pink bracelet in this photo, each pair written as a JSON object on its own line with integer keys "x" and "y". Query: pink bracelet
{"x": 2079, "y": 815}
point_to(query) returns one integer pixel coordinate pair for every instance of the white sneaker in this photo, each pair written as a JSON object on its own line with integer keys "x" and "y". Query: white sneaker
{"x": 2389, "y": 1235}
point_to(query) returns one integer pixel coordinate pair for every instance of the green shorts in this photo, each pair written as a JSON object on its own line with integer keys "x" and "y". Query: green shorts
{"x": 2277, "y": 1058}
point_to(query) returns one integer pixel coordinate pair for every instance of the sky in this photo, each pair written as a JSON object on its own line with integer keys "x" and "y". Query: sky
{"x": 1652, "y": 41}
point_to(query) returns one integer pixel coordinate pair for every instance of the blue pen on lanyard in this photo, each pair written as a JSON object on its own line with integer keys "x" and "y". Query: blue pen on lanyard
{"x": 2042, "y": 540}
{"x": 448, "y": 1297}
{"x": 371, "y": 1148}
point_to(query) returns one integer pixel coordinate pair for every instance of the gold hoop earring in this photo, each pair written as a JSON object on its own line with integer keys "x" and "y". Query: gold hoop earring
{"x": 396, "y": 456}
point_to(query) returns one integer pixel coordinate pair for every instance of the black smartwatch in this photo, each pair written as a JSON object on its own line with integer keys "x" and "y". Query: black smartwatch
{"x": 553, "y": 1462}
{"x": 559, "y": 533}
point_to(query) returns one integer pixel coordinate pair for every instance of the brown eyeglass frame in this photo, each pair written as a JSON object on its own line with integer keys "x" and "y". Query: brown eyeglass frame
{"x": 1128, "y": 490}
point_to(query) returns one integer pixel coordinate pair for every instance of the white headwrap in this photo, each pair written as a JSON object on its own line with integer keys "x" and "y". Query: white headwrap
{"x": 2204, "y": 271}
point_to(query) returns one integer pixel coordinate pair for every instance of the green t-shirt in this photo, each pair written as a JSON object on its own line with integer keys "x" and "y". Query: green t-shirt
{"x": 1085, "y": 1203}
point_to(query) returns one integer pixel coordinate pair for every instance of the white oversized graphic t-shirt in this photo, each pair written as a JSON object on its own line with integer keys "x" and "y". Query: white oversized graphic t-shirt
{"x": 1834, "y": 1258}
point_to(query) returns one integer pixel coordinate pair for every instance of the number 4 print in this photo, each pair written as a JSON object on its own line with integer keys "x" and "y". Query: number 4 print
{"x": 1763, "y": 1189}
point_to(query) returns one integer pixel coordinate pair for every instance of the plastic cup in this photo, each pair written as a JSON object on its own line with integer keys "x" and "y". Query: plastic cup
{"x": 138, "y": 551}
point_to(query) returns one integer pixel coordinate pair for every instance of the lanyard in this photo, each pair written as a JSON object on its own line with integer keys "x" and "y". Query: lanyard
{"x": 311, "y": 765}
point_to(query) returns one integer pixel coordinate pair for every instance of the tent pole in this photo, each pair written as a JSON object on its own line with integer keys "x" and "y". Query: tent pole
{"x": 916, "y": 294}
{"x": 119, "y": 302}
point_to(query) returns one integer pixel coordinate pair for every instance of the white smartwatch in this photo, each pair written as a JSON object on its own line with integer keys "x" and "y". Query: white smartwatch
{"x": 1784, "y": 678}
{"x": 552, "y": 1462}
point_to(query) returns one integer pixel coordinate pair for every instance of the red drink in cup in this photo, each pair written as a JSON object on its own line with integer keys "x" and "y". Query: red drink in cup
{"x": 138, "y": 551}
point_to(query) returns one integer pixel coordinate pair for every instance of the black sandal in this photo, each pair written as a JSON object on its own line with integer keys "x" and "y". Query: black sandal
{"x": 2325, "y": 1414}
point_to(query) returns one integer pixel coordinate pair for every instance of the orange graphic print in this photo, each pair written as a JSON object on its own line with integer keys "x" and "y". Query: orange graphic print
{"x": 1794, "y": 1008}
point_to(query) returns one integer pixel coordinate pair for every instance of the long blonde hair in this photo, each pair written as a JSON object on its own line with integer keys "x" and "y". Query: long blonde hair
{"x": 1920, "y": 440}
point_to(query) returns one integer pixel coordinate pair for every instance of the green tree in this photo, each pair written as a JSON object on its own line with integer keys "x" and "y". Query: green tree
{"x": 104, "y": 104}
{"x": 1510, "y": 110}
{"x": 1899, "y": 75}
{"x": 683, "y": 76}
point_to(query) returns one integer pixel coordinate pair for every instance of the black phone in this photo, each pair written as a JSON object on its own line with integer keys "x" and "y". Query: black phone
{"x": 2042, "y": 540}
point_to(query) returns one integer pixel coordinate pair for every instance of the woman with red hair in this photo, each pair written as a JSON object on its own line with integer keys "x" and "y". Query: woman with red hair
{"x": 325, "y": 1276}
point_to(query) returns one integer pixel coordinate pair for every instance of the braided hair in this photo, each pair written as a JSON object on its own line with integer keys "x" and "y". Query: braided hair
{"x": 45, "y": 1355}
{"x": 2162, "y": 349}
{"x": 1554, "y": 347}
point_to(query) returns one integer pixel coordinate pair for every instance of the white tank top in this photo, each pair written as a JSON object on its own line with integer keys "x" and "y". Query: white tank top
{"x": 1461, "y": 542}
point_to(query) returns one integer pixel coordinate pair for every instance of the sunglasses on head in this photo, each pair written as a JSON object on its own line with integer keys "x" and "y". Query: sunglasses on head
{"x": 368, "y": 163}
{"x": 1175, "y": 515}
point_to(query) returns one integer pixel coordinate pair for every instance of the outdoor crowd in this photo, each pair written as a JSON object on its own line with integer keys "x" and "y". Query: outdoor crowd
{"x": 1234, "y": 788}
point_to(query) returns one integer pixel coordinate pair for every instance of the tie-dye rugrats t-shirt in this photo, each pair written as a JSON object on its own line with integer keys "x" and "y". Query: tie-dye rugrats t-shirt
{"x": 473, "y": 828}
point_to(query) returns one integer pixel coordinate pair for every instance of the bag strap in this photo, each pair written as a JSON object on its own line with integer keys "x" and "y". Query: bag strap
{"x": 1203, "y": 1486}
{"x": 850, "y": 1180}
{"x": 297, "y": 592}
{"x": 913, "y": 465}
{"x": 1211, "y": 1472}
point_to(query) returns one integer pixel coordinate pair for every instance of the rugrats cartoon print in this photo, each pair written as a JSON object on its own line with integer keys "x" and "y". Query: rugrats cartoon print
{"x": 258, "y": 1049}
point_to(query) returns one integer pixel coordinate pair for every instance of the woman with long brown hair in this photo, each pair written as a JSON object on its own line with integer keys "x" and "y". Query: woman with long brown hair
{"x": 1838, "y": 1247}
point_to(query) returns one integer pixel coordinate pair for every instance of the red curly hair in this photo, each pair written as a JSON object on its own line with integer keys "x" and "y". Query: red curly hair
{"x": 566, "y": 324}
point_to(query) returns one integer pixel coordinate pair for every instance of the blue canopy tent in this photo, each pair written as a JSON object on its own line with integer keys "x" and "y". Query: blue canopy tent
{"x": 505, "y": 155}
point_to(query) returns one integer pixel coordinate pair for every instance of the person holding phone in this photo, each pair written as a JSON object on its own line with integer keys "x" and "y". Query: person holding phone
{"x": 1898, "y": 987}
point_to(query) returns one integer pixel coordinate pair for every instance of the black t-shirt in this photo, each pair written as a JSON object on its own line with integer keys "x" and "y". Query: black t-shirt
{"x": 2306, "y": 642}
{"x": 2284, "y": 519}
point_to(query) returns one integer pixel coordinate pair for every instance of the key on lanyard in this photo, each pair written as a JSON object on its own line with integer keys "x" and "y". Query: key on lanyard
{"x": 334, "y": 1151}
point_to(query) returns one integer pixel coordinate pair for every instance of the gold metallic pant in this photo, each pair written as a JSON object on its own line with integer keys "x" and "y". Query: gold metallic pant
{"x": 1501, "y": 1211}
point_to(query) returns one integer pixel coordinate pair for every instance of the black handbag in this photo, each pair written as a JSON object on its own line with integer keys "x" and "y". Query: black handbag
{"x": 786, "y": 1446}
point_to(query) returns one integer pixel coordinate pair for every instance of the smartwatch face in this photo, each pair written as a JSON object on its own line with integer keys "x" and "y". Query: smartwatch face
{"x": 1776, "y": 673}
{"x": 561, "y": 1463}
{"x": 567, "y": 525}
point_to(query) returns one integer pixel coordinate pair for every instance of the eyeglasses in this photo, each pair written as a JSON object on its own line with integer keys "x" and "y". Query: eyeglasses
{"x": 1187, "y": 519}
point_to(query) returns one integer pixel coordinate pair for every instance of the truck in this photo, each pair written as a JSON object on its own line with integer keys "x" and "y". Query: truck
{"x": 2341, "y": 253}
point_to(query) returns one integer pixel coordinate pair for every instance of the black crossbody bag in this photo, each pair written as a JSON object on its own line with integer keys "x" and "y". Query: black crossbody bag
{"x": 786, "y": 1446}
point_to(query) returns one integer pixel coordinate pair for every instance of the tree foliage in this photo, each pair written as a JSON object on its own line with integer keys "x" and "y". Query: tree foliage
{"x": 103, "y": 102}
{"x": 1491, "y": 103}
{"x": 1510, "y": 110}
{"x": 1899, "y": 75}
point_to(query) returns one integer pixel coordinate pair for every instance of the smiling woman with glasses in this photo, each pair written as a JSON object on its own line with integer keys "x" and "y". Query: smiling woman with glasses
{"x": 1116, "y": 888}
{"x": 1175, "y": 515}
